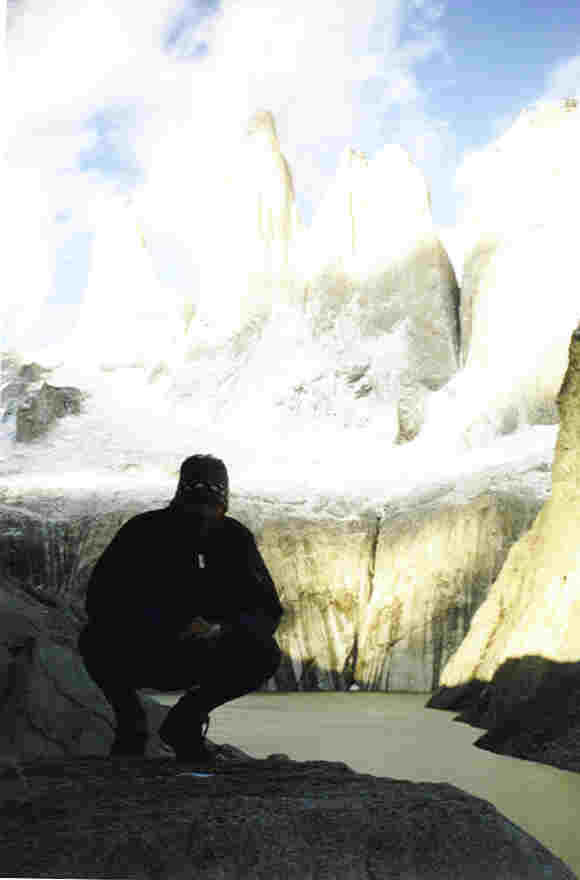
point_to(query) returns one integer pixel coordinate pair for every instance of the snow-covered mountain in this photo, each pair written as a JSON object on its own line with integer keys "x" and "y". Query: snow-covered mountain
{"x": 306, "y": 346}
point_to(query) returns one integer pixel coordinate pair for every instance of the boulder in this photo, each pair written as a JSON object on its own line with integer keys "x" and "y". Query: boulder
{"x": 49, "y": 706}
{"x": 258, "y": 818}
{"x": 544, "y": 727}
{"x": 522, "y": 645}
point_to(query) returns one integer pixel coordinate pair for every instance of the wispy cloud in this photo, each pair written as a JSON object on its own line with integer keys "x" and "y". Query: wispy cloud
{"x": 563, "y": 81}
{"x": 117, "y": 95}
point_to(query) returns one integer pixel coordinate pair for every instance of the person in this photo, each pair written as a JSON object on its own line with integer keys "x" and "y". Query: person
{"x": 181, "y": 599}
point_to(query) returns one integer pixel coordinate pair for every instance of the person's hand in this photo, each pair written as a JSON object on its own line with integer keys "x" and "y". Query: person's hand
{"x": 200, "y": 628}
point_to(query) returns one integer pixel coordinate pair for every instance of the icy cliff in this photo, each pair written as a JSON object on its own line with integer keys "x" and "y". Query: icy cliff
{"x": 519, "y": 290}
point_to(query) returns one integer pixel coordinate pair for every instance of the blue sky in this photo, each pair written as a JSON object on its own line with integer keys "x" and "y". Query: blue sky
{"x": 120, "y": 101}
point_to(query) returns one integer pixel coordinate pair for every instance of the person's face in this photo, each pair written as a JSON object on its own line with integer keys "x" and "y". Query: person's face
{"x": 205, "y": 514}
{"x": 211, "y": 511}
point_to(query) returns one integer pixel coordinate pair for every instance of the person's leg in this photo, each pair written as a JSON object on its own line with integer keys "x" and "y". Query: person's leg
{"x": 241, "y": 665}
{"x": 111, "y": 674}
{"x": 221, "y": 669}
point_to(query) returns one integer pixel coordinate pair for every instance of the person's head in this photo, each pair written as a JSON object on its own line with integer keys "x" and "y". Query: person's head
{"x": 203, "y": 489}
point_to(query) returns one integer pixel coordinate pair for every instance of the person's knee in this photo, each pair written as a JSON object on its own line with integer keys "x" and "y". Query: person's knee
{"x": 262, "y": 655}
{"x": 271, "y": 658}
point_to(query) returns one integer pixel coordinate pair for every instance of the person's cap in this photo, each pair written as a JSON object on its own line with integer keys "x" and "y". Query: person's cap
{"x": 201, "y": 476}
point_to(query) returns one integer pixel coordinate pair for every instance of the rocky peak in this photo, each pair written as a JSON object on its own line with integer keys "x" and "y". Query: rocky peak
{"x": 261, "y": 130}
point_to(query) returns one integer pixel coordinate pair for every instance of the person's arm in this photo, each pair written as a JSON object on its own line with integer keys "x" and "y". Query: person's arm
{"x": 121, "y": 596}
{"x": 200, "y": 629}
{"x": 261, "y": 610}
{"x": 105, "y": 598}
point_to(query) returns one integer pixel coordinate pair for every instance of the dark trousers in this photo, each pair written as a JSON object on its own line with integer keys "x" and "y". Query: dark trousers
{"x": 214, "y": 671}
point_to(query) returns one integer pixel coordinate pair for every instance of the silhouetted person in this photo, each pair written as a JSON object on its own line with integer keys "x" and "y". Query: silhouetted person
{"x": 181, "y": 600}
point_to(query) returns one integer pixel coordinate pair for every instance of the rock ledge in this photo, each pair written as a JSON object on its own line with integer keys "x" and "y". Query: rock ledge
{"x": 275, "y": 818}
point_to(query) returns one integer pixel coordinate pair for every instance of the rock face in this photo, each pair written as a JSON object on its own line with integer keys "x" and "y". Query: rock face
{"x": 377, "y": 270}
{"x": 518, "y": 290}
{"x": 350, "y": 322}
{"x": 259, "y": 818}
{"x": 250, "y": 237}
{"x": 275, "y": 217}
{"x": 39, "y": 411}
{"x": 498, "y": 389}
{"x": 335, "y": 235}
{"x": 321, "y": 569}
{"x": 502, "y": 206}
{"x": 374, "y": 597}
{"x": 29, "y": 405}
{"x": 522, "y": 645}
{"x": 436, "y": 559}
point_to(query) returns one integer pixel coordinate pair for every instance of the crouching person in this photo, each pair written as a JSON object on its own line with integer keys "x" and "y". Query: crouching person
{"x": 181, "y": 600}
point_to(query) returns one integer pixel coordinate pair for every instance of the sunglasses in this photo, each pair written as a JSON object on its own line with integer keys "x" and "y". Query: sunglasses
{"x": 217, "y": 489}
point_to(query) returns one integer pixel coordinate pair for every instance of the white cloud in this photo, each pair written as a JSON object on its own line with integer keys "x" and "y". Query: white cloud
{"x": 563, "y": 81}
{"x": 329, "y": 72}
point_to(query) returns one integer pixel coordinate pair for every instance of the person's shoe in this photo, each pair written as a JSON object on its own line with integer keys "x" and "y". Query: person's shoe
{"x": 131, "y": 740}
{"x": 189, "y": 744}
{"x": 129, "y": 747}
{"x": 119, "y": 750}
{"x": 195, "y": 754}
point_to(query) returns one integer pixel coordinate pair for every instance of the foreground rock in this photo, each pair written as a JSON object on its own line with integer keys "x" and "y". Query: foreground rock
{"x": 49, "y": 706}
{"x": 375, "y": 596}
{"x": 518, "y": 672}
{"x": 257, "y": 819}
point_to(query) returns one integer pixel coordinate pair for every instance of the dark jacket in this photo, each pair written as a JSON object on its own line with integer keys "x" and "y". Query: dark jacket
{"x": 151, "y": 581}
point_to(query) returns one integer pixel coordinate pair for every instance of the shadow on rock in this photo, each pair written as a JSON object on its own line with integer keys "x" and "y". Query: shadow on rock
{"x": 530, "y": 708}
